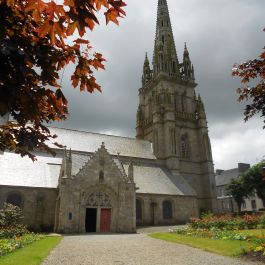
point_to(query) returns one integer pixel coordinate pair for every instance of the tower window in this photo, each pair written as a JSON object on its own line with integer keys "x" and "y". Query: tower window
{"x": 184, "y": 146}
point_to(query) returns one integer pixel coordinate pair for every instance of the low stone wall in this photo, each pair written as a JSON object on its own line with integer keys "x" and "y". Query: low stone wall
{"x": 38, "y": 205}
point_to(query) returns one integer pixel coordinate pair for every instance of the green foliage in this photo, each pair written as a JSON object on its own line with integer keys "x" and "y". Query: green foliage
{"x": 10, "y": 222}
{"x": 10, "y": 215}
{"x": 32, "y": 254}
{"x": 238, "y": 189}
{"x": 254, "y": 178}
{"x": 252, "y": 181}
{"x": 10, "y": 244}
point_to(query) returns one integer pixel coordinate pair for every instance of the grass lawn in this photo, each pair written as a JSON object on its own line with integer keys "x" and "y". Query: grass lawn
{"x": 218, "y": 246}
{"x": 254, "y": 232}
{"x": 32, "y": 254}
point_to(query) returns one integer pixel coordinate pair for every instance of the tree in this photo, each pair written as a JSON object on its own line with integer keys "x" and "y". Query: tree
{"x": 239, "y": 191}
{"x": 34, "y": 49}
{"x": 254, "y": 95}
{"x": 255, "y": 180}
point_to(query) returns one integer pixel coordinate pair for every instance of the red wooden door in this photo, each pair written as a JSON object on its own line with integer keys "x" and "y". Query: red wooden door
{"x": 105, "y": 220}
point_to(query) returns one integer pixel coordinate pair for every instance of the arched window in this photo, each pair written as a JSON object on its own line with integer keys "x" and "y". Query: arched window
{"x": 172, "y": 133}
{"x": 15, "y": 199}
{"x": 184, "y": 146}
{"x": 101, "y": 176}
{"x": 167, "y": 210}
{"x": 139, "y": 214}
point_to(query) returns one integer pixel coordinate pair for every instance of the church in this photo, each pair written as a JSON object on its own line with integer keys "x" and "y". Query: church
{"x": 104, "y": 183}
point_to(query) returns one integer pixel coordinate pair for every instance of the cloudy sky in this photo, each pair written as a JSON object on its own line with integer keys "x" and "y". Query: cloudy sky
{"x": 218, "y": 33}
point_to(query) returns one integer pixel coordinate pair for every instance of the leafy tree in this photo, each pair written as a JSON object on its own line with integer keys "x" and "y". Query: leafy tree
{"x": 10, "y": 215}
{"x": 254, "y": 95}
{"x": 254, "y": 178}
{"x": 239, "y": 191}
{"x": 34, "y": 47}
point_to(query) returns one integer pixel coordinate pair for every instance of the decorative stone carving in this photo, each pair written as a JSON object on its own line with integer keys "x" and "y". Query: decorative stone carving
{"x": 98, "y": 199}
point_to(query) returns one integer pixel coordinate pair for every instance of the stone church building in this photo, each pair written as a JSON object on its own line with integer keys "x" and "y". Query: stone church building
{"x": 104, "y": 183}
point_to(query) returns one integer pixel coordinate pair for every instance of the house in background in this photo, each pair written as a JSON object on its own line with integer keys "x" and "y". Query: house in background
{"x": 225, "y": 202}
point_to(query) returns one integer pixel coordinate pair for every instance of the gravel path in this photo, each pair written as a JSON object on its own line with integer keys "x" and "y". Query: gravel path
{"x": 136, "y": 249}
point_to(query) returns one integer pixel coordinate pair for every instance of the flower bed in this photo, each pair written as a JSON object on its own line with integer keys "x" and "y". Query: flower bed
{"x": 227, "y": 227}
{"x": 8, "y": 245}
{"x": 228, "y": 222}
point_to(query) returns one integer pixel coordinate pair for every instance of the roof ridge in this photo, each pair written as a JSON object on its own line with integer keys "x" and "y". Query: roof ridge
{"x": 96, "y": 133}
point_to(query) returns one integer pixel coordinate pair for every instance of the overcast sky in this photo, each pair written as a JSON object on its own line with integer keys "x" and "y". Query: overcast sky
{"x": 218, "y": 34}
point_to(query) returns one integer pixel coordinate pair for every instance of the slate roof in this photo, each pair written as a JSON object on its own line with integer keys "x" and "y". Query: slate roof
{"x": 90, "y": 142}
{"x": 152, "y": 179}
{"x": 17, "y": 171}
{"x": 226, "y": 176}
{"x": 149, "y": 177}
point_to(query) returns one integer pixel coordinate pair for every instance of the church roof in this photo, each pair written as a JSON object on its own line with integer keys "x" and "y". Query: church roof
{"x": 150, "y": 177}
{"x": 22, "y": 172}
{"x": 154, "y": 179}
{"x": 89, "y": 142}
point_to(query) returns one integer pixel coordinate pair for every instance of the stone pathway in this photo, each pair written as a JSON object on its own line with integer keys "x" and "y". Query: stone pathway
{"x": 135, "y": 249}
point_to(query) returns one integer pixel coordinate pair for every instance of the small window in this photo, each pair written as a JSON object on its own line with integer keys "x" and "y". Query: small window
{"x": 15, "y": 199}
{"x": 101, "y": 176}
{"x": 70, "y": 216}
{"x": 167, "y": 210}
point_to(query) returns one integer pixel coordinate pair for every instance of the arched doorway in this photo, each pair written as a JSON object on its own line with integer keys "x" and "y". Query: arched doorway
{"x": 98, "y": 213}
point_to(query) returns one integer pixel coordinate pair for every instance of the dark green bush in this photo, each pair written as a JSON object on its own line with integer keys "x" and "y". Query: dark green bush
{"x": 10, "y": 222}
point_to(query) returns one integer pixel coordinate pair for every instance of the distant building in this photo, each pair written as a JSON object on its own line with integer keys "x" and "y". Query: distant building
{"x": 226, "y": 204}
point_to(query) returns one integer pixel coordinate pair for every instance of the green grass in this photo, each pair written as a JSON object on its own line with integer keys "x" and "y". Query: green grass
{"x": 254, "y": 232}
{"x": 32, "y": 254}
{"x": 218, "y": 246}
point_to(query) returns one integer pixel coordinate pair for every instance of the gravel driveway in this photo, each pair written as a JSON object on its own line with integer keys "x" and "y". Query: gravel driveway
{"x": 135, "y": 249}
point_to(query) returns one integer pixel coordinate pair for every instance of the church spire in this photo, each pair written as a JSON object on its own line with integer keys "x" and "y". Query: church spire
{"x": 147, "y": 74}
{"x": 165, "y": 58}
{"x": 187, "y": 68}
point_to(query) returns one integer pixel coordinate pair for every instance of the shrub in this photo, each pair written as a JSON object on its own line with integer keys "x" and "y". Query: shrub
{"x": 10, "y": 222}
{"x": 10, "y": 215}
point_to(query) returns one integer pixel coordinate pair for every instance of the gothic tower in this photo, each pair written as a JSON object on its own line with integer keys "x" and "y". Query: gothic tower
{"x": 172, "y": 116}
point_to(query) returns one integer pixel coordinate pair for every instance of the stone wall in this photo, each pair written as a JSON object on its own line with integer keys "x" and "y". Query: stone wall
{"x": 183, "y": 208}
{"x": 38, "y": 205}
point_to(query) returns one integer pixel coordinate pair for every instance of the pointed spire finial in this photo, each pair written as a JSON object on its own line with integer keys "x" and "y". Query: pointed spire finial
{"x": 165, "y": 58}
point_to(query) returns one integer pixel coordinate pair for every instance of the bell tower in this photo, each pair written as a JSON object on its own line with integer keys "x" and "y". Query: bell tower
{"x": 172, "y": 116}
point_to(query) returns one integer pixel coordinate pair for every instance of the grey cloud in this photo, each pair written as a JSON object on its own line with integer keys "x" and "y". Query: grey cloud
{"x": 218, "y": 32}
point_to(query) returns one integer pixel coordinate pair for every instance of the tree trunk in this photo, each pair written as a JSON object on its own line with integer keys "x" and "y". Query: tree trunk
{"x": 239, "y": 206}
